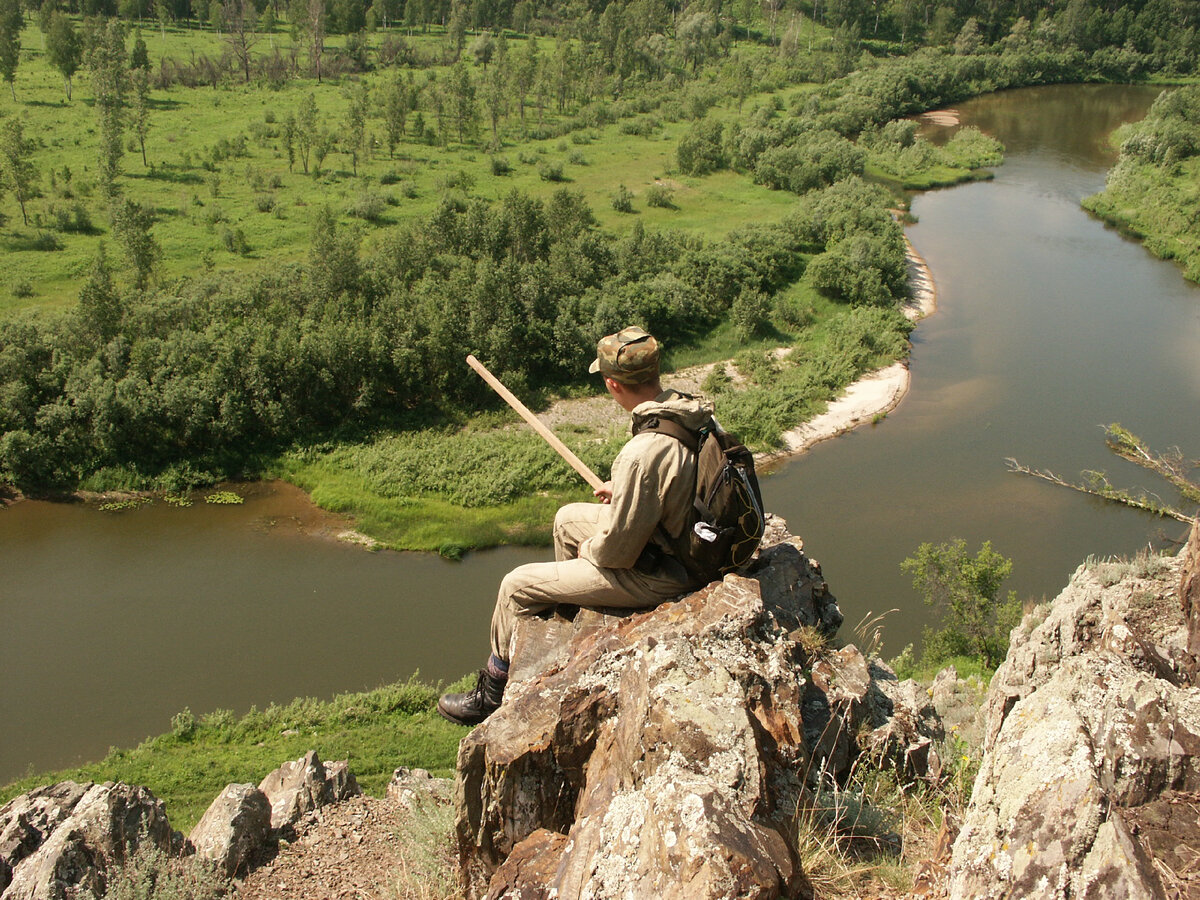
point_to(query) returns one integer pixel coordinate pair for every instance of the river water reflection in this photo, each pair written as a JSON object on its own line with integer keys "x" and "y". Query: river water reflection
{"x": 110, "y": 623}
{"x": 1049, "y": 325}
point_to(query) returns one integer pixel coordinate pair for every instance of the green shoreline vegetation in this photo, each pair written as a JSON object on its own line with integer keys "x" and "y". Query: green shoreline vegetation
{"x": 1153, "y": 192}
{"x": 261, "y": 240}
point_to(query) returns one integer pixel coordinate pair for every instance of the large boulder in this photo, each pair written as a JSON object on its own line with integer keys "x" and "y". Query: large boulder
{"x": 1090, "y": 723}
{"x": 235, "y": 832}
{"x": 92, "y": 833}
{"x": 655, "y": 754}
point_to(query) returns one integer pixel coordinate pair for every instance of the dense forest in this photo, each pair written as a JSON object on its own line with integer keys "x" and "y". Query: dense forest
{"x": 169, "y": 370}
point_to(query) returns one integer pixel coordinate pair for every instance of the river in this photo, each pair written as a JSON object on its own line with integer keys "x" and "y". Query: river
{"x": 1049, "y": 325}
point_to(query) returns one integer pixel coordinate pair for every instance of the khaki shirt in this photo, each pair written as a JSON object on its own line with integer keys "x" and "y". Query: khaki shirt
{"x": 653, "y": 481}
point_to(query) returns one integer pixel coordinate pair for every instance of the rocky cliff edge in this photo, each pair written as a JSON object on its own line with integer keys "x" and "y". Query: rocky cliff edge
{"x": 1091, "y": 770}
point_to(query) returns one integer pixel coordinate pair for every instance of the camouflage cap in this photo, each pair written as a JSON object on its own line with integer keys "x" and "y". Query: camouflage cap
{"x": 630, "y": 356}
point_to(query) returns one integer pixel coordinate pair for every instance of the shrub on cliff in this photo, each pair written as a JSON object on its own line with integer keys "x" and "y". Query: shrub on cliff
{"x": 965, "y": 590}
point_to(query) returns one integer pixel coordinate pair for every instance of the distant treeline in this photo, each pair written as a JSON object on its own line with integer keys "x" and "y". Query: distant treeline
{"x": 603, "y": 47}
{"x": 1147, "y": 26}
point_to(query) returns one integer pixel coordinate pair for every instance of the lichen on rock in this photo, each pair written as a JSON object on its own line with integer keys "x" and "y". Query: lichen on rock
{"x": 1092, "y": 721}
{"x": 666, "y": 753}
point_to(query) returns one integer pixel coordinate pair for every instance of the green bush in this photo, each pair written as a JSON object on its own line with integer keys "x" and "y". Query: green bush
{"x": 152, "y": 873}
{"x": 45, "y": 241}
{"x": 551, "y": 171}
{"x": 659, "y": 196}
{"x": 73, "y": 219}
{"x": 965, "y": 592}
{"x": 369, "y": 206}
{"x": 622, "y": 199}
{"x": 699, "y": 151}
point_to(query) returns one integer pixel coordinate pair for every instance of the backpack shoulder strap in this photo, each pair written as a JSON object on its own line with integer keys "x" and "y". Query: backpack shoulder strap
{"x": 686, "y": 436}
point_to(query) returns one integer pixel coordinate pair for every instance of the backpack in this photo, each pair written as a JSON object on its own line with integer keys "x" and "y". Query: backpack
{"x": 726, "y": 522}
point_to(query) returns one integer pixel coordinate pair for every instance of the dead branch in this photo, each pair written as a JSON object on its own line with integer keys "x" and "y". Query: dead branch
{"x": 1099, "y": 486}
{"x": 1170, "y": 465}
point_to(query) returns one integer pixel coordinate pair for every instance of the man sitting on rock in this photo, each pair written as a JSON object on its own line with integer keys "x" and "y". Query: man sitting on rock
{"x": 614, "y": 553}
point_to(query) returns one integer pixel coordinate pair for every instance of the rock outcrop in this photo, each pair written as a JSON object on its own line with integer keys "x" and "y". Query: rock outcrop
{"x": 61, "y": 840}
{"x": 413, "y": 788}
{"x": 1189, "y": 591}
{"x": 300, "y": 786}
{"x": 667, "y": 753}
{"x": 1092, "y": 735}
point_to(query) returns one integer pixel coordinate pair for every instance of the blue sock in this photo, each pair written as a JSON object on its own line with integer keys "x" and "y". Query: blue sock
{"x": 497, "y": 667}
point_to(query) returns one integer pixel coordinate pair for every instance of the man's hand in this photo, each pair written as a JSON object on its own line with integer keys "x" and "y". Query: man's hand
{"x": 604, "y": 492}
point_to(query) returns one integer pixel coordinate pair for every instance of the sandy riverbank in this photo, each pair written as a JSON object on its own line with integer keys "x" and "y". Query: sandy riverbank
{"x": 876, "y": 393}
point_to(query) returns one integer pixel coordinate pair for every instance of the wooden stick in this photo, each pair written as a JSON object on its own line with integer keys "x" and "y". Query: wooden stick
{"x": 549, "y": 436}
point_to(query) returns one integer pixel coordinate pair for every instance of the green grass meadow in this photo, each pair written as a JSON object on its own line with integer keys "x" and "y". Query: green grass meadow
{"x": 199, "y": 201}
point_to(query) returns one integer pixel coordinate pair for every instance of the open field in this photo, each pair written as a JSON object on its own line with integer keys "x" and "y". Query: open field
{"x": 224, "y": 197}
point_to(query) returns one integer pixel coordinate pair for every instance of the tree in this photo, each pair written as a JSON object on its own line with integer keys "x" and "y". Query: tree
{"x": 333, "y": 257}
{"x": 771, "y": 8}
{"x": 12, "y": 20}
{"x": 100, "y": 307}
{"x": 966, "y": 592}
{"x": 483, "y": 48}
{"x": 322, "y": 144}
{"x": 240, "y": 20}
{"x": 140, "y": 108}
{"x": 306, "y": 129}
{"x": 139, "y": 56}
{"x": 463, "y": 110}
{"x": 165, "y": 12}
{"x": 131, "y": 226}
{"x": 495, "y": 98}
{"x": 356, "y": 122}
{"x": 17, "y": 171}
{"x": 315, "y": 27}
{"x": 697, "y": 38}
{"x": 63, "y": 48}
{"x": 907, "y": 16}
{"x": 395, "y": 100}
{"x": 289, "y": 139}
{"x": 110, "y": 85}
{"x": 456, "y": 31}
{"x": 525, "y": 71}
{"x": 968, "y": 40}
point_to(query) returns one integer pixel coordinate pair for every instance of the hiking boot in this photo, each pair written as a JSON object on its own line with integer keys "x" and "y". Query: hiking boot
{"x": 474, "y": 706}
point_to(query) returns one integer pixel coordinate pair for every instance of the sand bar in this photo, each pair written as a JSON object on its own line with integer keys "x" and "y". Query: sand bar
{"x": 876, "y": 393}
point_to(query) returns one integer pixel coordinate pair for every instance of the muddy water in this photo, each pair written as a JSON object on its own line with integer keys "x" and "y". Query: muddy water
{"x": 110, "y": 623}
{"x": 1049, "y": 325}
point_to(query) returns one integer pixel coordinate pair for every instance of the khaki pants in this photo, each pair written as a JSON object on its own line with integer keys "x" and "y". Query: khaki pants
{"x": 537, "y": 587}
